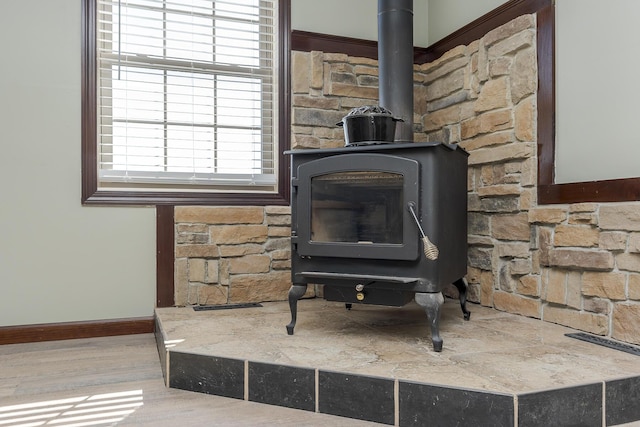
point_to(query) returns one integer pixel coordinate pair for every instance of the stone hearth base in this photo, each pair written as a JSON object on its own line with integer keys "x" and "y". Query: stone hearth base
{"x": 376, "y": 364}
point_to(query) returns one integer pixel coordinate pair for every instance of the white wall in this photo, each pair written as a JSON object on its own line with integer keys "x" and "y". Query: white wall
{"x": 59, "y": 261}
{"x": 597, "y": 69}
{"x": 433, "y": 19}
{"x": 447, "y": 16}
{"x": 351, "y": 18}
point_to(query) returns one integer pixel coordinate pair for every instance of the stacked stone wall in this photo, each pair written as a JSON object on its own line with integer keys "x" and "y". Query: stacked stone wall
{"x": 578, "y": 264}
{"x": 232, "y": 254}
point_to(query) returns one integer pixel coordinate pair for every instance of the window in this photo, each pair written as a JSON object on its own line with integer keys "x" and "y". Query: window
{"x": 184, "y": 101}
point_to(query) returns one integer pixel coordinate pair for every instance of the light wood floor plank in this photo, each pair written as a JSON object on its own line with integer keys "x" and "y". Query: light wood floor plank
{"x": 34, "y": 376}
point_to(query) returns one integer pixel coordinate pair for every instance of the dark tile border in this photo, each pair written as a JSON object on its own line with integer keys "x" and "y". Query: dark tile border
{"x": 374, "y": 398}
{"x": 424, "y": 404}
{"x": 162, "y": 349}
{"x": 282, "y": 386}
{"x": 206, "y": 374}
{"x": 356, "y": 396}
{"x": 622, "y": 401}
{"x": 570, "y": 406}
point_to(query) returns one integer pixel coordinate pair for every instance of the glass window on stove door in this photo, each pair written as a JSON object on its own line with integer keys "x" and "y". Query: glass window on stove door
{"x": 362, "y": 207}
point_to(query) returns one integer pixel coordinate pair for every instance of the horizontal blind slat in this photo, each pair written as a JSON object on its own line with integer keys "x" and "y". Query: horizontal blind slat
{"x": 187, "y": 88}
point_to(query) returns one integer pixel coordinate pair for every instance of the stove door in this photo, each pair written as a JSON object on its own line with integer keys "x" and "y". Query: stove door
{"x": 355, "y": 206}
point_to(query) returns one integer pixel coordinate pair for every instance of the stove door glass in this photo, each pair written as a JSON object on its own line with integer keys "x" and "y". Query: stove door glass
{"x": 355, "y": 206}
{"x": 362, "y": 207}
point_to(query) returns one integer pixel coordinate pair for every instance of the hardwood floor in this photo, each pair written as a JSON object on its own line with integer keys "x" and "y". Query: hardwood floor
{"x": 118, "y": 381}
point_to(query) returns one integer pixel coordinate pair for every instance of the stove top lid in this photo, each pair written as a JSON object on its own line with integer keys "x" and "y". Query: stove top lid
{"x": 375, "y": 146}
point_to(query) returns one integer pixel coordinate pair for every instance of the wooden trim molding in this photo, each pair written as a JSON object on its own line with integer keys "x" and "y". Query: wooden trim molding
{"x": 305, "y": 41}
{"x": 93, "y": 195}
{"x": 73, "y": 330}
{"x": 88, "y": 100}
{"x": 481, "y": 26}
{"x": 546, "y": 96}
{"x": 612, "y": 190}
{"x": 165, "y": 256}
{"x": 284, "y": 103}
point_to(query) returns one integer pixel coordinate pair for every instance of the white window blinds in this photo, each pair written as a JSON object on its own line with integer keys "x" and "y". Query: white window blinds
{"x": 187, "y": 94}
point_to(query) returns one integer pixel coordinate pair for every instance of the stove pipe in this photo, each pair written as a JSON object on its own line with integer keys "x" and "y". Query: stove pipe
{"x": 395, "y": 62}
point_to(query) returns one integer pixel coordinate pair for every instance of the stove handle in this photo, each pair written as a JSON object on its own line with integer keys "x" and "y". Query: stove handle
{"x": 430, "y": 250}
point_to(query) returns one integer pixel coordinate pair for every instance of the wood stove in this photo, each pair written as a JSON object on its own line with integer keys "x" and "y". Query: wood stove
{"x": 382, "y": 223}
{"x": 358, "y": 214}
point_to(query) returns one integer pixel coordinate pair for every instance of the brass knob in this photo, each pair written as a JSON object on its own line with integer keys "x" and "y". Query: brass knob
{"x": 360, "y": 296}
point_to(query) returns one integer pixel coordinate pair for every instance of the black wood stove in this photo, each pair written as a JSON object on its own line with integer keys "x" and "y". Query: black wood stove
{"x": 366, "y": 221}
{"x": 382, "y": 223}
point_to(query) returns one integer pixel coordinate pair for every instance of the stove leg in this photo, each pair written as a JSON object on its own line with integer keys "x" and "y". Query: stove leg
{"x": 295, "y": 293}
{"x": 462, "y": 286}
{"x": 432, "y": 304}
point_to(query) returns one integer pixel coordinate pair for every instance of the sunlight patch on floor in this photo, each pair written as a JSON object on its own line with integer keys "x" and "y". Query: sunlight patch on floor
{"x": 99, "y": 409}
{"x": 172, "y": 343}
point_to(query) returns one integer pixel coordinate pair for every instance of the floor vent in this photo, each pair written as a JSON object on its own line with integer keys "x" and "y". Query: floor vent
{"x": 627, "y": 348}
{"x": 225, "y": 306}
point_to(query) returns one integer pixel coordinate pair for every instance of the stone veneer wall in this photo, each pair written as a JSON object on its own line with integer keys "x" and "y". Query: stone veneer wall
{"x": 577, "y": 265}
{"x": 232, "y": 254}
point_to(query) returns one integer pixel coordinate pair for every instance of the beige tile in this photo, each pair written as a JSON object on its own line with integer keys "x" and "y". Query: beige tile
{"x": 493, "y": 351}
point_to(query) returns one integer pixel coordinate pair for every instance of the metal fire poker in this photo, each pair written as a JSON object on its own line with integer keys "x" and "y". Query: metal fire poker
{"x": 430, "y": 250}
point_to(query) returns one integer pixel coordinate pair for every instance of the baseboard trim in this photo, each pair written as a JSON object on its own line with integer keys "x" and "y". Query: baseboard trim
{"x": 72, "y": 330}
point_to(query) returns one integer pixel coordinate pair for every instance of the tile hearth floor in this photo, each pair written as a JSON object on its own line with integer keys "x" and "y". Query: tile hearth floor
{"x": 377, "y": 364}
